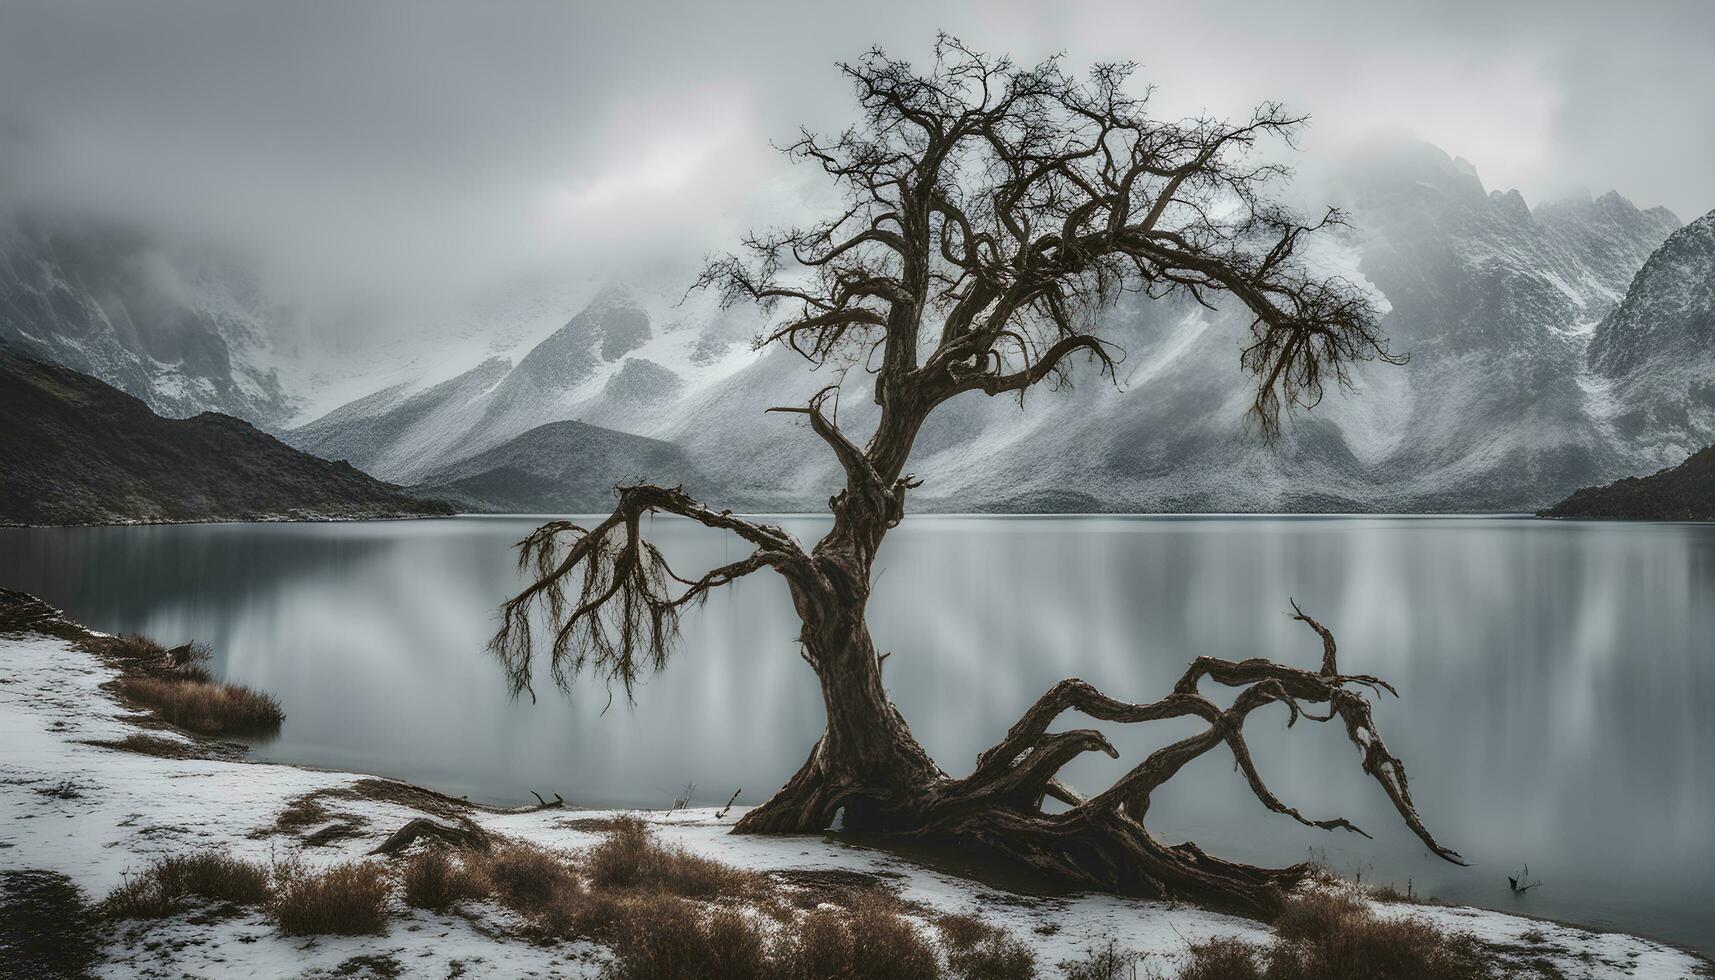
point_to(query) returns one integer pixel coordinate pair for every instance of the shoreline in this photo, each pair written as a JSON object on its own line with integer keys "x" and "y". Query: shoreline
{"x": 921, "y": 515}
{"x": 126, "y": 809}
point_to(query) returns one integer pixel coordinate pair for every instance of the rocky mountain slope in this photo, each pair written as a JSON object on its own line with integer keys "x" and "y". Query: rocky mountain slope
{"x": 562, "y": 467}
{"x": 614, "y": 363}
{"x": 1680, "y": 493}
{"x": 179, "y": 331}
{"x": 1655, "y": 352}
{"x": 75, "y": 450}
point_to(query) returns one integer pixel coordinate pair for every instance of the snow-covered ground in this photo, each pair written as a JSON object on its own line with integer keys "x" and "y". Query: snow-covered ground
{"x": 123, "y": 809}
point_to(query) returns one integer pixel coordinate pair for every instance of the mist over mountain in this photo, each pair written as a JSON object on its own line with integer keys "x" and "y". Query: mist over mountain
{"x": 1498, "y": 409}
{"x": 182, "y": 332}
{"x": 1550, "y": 348}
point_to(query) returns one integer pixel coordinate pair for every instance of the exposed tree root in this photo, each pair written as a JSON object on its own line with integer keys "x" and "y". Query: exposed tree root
{"x": 1101, "y": 842}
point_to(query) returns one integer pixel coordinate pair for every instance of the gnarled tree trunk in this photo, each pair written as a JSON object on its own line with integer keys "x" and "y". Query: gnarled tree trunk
{"x": 869, "y": 768}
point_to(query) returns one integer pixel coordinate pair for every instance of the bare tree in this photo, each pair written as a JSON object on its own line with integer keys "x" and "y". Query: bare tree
{"x": 991, "y": 211}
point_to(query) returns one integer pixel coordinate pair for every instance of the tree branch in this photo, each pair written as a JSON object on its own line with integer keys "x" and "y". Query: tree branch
{"x": 1026, "y": 760}
{"x": 625, "y": 619}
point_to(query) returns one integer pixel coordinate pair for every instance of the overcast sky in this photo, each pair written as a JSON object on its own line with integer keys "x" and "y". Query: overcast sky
{"x": 409, "y": 144}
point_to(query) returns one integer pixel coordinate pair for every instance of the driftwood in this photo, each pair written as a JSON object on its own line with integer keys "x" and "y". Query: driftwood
{"x": 466, "y": 835}
{"x": 721, "y": 814}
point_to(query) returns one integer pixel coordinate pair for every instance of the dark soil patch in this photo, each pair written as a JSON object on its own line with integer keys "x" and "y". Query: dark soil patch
{"x": 404, "y": 794}
{"x": 382, "y": 967}
{"x": 47, "y": 929}
{"x": 590, "y": 825}
{"x": 21, "y": 612}
{"x": 313, "y": 809}
{"x": 166, "y": 748}
{"x": 810, "y": 887}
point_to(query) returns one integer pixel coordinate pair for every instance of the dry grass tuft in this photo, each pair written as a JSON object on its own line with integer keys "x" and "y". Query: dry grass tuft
{"x": 891, "y": 945}
{"x": 977, "y": 950}
{"x": 1391, "y": 893}
{"x": 163, "y": 888}
{"x": 630, "y": 857}
{"x": 344, "y": 900}
{"x": 176, "y": 684}
{"x": 1334, "y": 935}
{"x": 1106, "y": 962}
{"x": 1223, "y": 959}
{"x": 206, "y": 707}
{"x": 435, "y": 880}
{"x": 528, "y": 879}
{"x": 820, "y": 945}
{"x": 667, "y": 938}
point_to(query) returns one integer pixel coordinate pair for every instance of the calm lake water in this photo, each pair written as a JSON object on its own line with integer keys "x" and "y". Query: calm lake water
{"x": 1557, "y": 679}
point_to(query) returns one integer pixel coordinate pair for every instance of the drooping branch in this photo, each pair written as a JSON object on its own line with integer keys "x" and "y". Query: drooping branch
{"x": 623, "y": 619}
{"x": 1024, "y": 762}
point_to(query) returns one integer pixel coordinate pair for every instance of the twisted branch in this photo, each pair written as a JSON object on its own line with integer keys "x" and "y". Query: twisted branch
{"x": 1024, "y": 763}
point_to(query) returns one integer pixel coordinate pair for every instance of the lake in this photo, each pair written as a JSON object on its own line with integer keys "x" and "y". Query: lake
{"x": 1557, "y": 680}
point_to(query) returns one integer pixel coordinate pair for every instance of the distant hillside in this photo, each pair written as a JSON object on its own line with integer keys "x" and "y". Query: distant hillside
{"x": 561, "y": 467}
{"x": 75, "y": 450}
{"x": 1682, "y": 493}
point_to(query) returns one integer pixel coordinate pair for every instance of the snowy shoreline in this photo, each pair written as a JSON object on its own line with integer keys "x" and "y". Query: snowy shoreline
{"x": 125, "y": 809}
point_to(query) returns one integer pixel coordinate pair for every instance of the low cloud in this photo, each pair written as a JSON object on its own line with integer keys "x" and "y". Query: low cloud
{"x": 392, "y": 148}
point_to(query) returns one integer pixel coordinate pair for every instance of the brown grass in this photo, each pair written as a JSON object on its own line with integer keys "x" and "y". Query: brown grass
{"x": 630, "y": 857}
{"x": 1334, "y": 935}
{"x": 437, "y": 881}
{"x": 206, "y": 707}
{"x": 1105, "y": 962}
{"x": 345, "y": 900}
{"x": 667, "y": 938}
{"x": 176, "y": 684}
{"x": 163, "y": 888}
{"x": 821, "y": 945}
{"x": 891, "y": 945}
{"x": 1224, "y": 959}
{"x": 669, "y": 914}
{"x": 164, "y": 748}
{"x": 528, "y": 879}
{"x": 977, "y": 950}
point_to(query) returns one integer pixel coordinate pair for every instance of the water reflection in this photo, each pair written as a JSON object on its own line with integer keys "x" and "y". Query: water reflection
{"x": 1554, "y": 676}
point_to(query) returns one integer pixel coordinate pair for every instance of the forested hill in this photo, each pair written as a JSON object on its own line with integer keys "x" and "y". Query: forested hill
{"x": 1682, "y": 493}
{"x": 75, "y": 450}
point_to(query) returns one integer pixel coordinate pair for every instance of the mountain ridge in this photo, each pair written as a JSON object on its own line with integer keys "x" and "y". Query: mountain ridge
{"x": 79, "y": 451}
{"x": 1677, "y": 493}
{"x": 1506, "y": 404}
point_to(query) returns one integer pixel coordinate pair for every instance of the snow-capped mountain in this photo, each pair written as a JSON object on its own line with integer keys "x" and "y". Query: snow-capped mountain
{"x": 192, "y": 327}
{"x": 622, "y": 362}
{"x": 1498, "y": 409}
{"x": 1538, "y": 365}
{"x": 184, "y": 332}
{"x": 1655, "y": 352}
